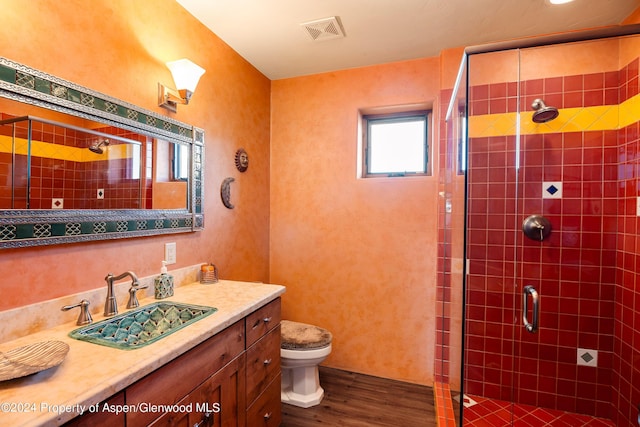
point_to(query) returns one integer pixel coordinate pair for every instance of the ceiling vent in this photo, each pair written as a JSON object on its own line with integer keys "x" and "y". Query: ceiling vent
{"x": 324, "y": 29}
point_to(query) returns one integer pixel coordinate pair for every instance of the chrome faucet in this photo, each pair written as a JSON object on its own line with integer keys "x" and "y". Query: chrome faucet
{"x": 111, "y": 305}
{"x": 133, "y": 297}
{"x": 84, "y": 318}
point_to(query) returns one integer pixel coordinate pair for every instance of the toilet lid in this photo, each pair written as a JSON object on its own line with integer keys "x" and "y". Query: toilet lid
{"x": 301, "y": 336}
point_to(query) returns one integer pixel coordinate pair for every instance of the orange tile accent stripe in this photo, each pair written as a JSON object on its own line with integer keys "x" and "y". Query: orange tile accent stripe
{"x": 445, "y": 417}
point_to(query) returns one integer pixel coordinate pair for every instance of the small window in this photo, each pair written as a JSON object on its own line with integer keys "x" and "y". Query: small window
{"x": 396, "y": 144}
{"x": 180, "y": 162}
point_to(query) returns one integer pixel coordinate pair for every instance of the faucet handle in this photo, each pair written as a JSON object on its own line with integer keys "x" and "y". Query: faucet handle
{"x": 133, "y": 297}
{"x": 85, "y": 316}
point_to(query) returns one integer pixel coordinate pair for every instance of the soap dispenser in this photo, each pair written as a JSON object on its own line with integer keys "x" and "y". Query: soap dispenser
{"x": 163, "y": 283}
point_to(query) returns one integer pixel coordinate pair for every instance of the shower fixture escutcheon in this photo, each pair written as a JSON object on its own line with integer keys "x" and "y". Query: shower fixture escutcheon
{"x": 536, "y": 227}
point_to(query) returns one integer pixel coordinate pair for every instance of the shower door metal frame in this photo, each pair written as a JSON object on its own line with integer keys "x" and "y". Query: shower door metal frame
{"x": 610, "y": 32}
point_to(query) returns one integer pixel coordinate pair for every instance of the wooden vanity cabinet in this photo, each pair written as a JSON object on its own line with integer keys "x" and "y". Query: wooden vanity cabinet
{"x": 231, "y": 380}
{"x": 263, "y": 366}
{"x": 171, "y": 383}
{"x": 219, "y": 401}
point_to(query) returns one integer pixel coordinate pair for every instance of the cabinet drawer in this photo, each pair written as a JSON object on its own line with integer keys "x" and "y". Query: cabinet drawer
{"x": 267, "y": 409}
{"x": 263, "y": 363}
{"x": 262, "y": 321}
{"x": 170, "y": 383}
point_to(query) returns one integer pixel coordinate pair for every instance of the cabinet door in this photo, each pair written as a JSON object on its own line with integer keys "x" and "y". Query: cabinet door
{"x": 218, "y": 402}
{"x": 221, "y": 401}
{"x": 175, "y": 380}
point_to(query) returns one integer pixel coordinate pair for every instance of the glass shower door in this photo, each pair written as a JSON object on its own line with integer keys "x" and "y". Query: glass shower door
{"x": 568, "y": 126}
{"x": 492, "y": 291}
{"x": 552, "y": 196}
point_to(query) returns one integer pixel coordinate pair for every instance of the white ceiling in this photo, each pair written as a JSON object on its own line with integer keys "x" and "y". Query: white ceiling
{"x": 267, "y": 33}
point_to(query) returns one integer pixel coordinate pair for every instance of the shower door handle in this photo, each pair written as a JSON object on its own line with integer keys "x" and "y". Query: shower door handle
{"x": 530, "y": 326}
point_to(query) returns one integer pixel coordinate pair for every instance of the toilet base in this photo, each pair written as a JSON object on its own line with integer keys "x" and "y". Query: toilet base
{"x": 290, "y": 397}
{"x": 301, "y": 386}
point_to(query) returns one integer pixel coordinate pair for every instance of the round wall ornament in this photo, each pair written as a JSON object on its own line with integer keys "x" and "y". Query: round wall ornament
{"x": 242, "y": 160}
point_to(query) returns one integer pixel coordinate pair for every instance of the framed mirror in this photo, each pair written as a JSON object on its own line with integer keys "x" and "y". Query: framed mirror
{"x": 78, "y": 165}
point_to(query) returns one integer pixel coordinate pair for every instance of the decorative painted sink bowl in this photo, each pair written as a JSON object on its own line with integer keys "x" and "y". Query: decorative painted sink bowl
{"x": 142, "y": 326}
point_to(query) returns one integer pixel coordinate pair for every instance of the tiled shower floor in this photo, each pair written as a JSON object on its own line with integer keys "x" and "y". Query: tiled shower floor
{"x": 497, "y": 413}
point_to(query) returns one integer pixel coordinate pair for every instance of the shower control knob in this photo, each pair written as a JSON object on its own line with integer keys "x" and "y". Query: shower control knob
{"x": 536, "y": 227}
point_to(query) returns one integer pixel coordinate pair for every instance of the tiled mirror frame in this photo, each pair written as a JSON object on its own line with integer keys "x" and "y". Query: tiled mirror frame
{"x": 23, "y": 228}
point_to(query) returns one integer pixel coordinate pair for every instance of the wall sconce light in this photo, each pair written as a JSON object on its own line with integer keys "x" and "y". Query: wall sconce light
{"x": 186, "y": 75}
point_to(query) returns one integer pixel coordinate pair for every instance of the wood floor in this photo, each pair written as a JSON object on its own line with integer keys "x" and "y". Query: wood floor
{"x": 357, "y": 400}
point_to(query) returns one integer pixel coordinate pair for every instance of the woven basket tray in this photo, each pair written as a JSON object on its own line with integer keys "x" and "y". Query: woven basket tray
{"x": 32, "y": 358}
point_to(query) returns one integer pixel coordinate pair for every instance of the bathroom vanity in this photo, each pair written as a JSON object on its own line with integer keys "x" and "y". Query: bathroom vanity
{"x": 221, "y": 370}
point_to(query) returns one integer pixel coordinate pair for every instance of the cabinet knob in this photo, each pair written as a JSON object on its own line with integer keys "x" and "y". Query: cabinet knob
{"x": 264, "y": 320}
{"x": 267, "y": 416}
{"x": 267, "y": 362}
{"x": 205, "y": 422}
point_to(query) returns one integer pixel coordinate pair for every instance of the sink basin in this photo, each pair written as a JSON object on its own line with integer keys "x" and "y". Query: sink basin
{"x": 142, "y": 326}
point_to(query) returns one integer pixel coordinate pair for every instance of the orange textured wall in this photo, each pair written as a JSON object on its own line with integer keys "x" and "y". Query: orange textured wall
{"x": 586, "y": 57}
{"x": 358, "y": 256}
{"x": 119, "y": 47}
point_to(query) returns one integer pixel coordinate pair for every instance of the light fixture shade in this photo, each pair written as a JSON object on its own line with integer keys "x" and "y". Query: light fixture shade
{"x": 186, "y": 74}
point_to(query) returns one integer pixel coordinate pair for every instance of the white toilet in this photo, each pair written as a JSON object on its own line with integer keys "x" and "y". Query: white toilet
{"x": 302, "y": 348}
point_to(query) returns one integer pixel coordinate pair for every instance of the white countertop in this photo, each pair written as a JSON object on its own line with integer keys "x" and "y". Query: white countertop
{"x": 91, "y": 373}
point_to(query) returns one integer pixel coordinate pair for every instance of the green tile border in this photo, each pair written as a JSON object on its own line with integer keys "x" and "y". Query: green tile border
{"x": 23, "y": 228}
{"x": 67, "y": 227}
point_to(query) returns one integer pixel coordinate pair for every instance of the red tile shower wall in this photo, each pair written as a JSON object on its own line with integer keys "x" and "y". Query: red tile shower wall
{"x": 573, "y": 270}
{"x": 54, "y": 178}
{"x": 5, "y": 177}
{"x": 74, "y": 182}
{"x": 13, "y": 175}
{"x": 121, "y": 189}
{"x": 626, "y": 338}
{"x": 113, "y": 176}
{"x": 443, "y": 294}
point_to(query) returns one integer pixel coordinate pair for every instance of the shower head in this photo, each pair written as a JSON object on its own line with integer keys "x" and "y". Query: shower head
{"x": 97, "y": 148}
{"x": 543, "y": 114}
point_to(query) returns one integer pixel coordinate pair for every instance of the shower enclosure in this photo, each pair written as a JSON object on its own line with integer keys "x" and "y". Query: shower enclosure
{"x": 544, "y": 143}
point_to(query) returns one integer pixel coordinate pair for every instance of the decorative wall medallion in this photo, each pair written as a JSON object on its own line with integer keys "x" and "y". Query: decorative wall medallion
{"x": 242, "y": 160}
{"x": 225, "y": 192}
